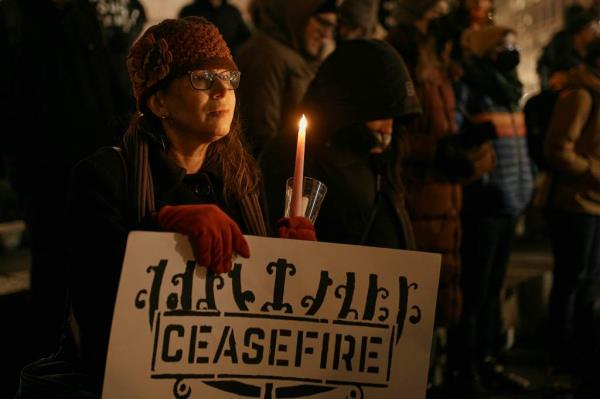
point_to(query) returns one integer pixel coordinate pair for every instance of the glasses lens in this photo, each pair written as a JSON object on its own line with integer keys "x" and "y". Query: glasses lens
{"x": 203, "y": 80}
{"x": 231, "y": 79}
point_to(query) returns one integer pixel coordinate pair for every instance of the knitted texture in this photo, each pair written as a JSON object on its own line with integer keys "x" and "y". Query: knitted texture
{"x": 172, "y": 48}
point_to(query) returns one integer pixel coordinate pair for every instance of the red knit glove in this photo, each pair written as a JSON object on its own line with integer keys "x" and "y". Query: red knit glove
{"x": 213, "y": 234}
{"x": 296, "y": 227}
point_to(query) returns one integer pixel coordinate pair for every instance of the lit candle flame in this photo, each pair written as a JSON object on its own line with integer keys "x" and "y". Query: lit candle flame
{"x": 303, "y": 123}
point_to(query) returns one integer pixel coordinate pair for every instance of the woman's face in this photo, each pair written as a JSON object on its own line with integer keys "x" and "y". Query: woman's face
{"x": 200, "y": 104}
{"x": 479, "y": 9}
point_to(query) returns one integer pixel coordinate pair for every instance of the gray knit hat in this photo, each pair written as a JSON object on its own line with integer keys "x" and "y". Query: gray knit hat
{"x": 359, "y": 13}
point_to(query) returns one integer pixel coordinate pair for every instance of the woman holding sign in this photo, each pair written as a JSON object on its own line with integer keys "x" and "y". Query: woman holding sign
{"x": 356, "y": 105}
{"x": 183, "y": 168}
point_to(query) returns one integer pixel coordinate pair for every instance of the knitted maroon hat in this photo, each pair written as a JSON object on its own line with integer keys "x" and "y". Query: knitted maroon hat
{"x": 172, "y": 48}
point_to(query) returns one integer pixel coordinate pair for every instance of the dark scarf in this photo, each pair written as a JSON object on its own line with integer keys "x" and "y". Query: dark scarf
{"x": 140, "y": 185}
{"x": 503, "y": 87}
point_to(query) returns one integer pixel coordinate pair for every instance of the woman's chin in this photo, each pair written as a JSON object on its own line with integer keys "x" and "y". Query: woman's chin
{"x": 218, "y": 134}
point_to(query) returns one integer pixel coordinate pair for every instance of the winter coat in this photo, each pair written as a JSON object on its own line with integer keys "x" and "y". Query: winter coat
{"x": 572, "y": 145}
{"x": 99, "y": 217}
{"x": 226, "y": 17}
{"x": 558, "y": 55}
{"x": 275, "y": 70}
{"x": 488, "y": 95}
{"x": 433, "y": 202}
{"x": 64, "y": 96}
{"x": 360, "y": 185}
{"x": 357, "y": 184}
{"x": 122, "y": 22}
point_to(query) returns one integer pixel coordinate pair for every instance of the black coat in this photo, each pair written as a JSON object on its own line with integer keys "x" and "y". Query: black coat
{"x": 360, "y": 186}
{"x": 99, "y": 220}
{"x": 64, "y": 94}
{"x": 351, "y": 175}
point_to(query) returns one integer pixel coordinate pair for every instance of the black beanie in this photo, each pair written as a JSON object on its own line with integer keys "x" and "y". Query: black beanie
{"x": 361, "y": 81}
{"x": 327, "y": 6}
{"x": 578, "y": 21}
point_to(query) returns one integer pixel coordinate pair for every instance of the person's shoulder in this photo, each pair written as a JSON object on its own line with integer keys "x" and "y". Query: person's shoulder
{"x": 265, "y": 54}
{"x": 105, "y": 156}
{"x": 107, "y": 163}
{"x": 262, "y": 44}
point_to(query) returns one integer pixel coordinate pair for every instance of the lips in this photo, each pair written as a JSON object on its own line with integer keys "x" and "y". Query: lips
{"x": 218, "y": 112}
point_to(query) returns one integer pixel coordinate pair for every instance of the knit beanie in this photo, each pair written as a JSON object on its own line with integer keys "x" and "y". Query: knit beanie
{"x": 359, "y": 13}
{"x": 481, "y": 42}
{"x": 172, "y": 48}
{"x": 361, "y": 81}
{"x": 577, "y": 19}
{"x": 408, "y": 11}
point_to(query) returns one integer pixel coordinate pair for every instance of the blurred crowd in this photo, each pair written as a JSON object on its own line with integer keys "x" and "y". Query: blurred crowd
{"x": 423, "y": 139}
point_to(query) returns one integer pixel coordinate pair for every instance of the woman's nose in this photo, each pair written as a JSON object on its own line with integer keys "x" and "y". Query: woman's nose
{"x": 218, "y": 88}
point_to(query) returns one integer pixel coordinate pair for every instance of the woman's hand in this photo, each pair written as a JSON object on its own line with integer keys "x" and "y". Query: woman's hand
{"x": 213, "y": 234}
{"x": 296, "y": 227}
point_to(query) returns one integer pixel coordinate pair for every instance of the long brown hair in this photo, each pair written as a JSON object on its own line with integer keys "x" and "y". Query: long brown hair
{"x": 227, "y": 156}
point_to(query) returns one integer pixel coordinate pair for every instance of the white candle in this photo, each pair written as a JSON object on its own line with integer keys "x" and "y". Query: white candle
{"x": 296, "y": 204}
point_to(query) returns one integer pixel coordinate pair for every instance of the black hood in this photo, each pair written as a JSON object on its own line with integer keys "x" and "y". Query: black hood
{"x": 361, "y": 81}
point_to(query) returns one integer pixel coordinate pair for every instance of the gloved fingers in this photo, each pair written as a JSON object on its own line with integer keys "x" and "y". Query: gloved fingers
{"x": 300, "y": 222}
{"x": 170, "y": 217}
{"x": 240, "y": 246}
{"x": 283, "y": 222}
{"x": 202, "y": 249}
{"x": 227, "y": 249}
{"x": 283, "y": 232}
{"x": 306, "y": 234}
{"x": 217, "y": 254}
{"x": 296, "y": 227}
{"x": 164, "y": 216}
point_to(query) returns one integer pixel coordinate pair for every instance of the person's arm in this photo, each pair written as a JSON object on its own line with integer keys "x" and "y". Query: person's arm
{"x": 96, "y": 219}
{"x": 571, "y": 112}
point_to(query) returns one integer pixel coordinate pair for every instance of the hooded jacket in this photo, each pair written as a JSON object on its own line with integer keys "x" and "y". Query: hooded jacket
{"x": 360, "y": 186}
{"x": 433, "y": 202}
{"x": 275, "y": 69}
{"x": 572, "y": 144}
{"x": 360, "y": 13}
{"x": 488, "y": 95}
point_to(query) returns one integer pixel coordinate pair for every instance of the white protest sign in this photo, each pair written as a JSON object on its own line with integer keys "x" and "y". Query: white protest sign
{"x": 298, "y": 319}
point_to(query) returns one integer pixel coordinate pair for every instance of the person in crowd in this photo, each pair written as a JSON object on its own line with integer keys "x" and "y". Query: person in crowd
{"x": 566, "y": 49}
{"x": 468, "y": 14}
{"x": 436, "y": 162}
{"x": 279, "y": 62}
{"x": 353, "y": 146}
{"x": 490, "y": 92}
{"x": 225, "y": 16}
{"x": 62, "y": 100}
{"x": 357, "y": 19}
{"x": 122, "y": 22}
{"x": 255, "y": 9}
{"x": 183, "y": 168}
{"x": 573, "y": 204}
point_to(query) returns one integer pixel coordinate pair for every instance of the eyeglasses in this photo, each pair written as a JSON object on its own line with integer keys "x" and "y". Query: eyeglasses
{"x": 204, "y": 80}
